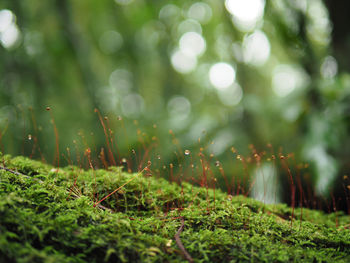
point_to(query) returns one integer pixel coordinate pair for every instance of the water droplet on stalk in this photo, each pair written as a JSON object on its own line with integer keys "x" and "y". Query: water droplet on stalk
{"x": 217, "y": 163}
{"x": 187, "y": 152}
{"x": 29, "y": 137}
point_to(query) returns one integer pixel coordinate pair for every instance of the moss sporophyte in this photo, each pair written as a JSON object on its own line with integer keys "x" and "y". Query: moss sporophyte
{"x": 47, "y": 215}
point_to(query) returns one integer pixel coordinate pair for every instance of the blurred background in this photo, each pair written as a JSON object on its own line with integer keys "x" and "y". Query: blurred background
{"x": 232, "y": 73}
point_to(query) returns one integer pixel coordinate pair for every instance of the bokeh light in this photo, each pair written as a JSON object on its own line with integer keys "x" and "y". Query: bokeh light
{"x": 201, "y": 12}
{"x": 132, "y": 105}
{"x": 221, "y": 142}
{"x": 9, "y": 32}
{"x": 110, "y": 42}
{"x": 189, "y": 25}
{"x": 329, "y": 67}
{"x": 192, "y": 44}
{"x": 232, "y": 95}
{"x": 121, "y": 80}
{"x": 222, "y": 75}
{"x": 179, "y": 107}
{"x": 256, "y": 48}
{"x": 182, "y": 62}
{"x": 287, "y": 78}
{"x": 245, "y": 13}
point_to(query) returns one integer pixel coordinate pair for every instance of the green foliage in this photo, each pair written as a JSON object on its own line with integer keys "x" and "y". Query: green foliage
{"x": 42, "y": 220}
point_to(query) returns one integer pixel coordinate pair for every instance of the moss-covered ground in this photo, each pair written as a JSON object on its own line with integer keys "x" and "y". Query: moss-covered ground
{"x": 44, "y": 219}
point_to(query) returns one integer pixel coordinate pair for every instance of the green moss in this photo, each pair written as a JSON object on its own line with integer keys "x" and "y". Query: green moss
{"x": 44, "y": 218}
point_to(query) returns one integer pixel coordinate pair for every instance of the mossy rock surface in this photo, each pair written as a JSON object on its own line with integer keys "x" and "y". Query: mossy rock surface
{"x": 44, "y": 219}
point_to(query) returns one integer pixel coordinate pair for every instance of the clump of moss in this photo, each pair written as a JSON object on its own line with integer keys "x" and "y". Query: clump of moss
{"x": 44, "y": 216}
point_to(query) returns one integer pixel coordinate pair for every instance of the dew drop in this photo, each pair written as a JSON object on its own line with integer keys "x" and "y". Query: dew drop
{"x": 238, "y": 157}
{"x": 124, "y": 160}
{"x": 187, "y": 152}
{"x": 48, "y": 108}
{"x": 29, "y": 137}
{"x": 158, "y": 157}
{"x": 133, "y": 151}
{"x": 217, "y": 163}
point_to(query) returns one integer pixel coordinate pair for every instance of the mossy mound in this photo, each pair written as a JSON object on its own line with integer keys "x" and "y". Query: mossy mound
{"x": 44, "y": 219}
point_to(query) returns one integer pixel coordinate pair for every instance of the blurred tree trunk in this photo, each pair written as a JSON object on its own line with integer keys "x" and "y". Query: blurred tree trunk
{"x": 339, "y": 15}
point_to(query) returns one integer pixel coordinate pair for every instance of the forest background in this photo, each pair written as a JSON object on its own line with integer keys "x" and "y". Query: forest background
{"x": 232, "y": 73}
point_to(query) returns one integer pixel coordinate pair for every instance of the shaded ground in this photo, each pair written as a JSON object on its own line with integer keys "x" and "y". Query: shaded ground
{"x": 44, "y": 218}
